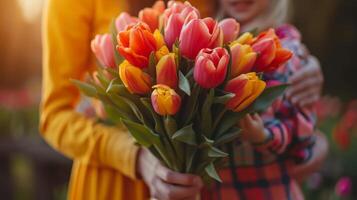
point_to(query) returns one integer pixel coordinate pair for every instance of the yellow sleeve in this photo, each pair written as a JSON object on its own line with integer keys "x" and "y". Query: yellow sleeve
{"x": 67, "y": 34}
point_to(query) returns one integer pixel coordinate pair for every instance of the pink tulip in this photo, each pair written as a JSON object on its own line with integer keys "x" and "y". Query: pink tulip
{"x": 230, "y": 28}
{"x": 124, "y": 20}
{"x": 103, "y": 48}
{"x": 211, "y": 67}
{"x": 199, "y": 34}
{"x": 174, "y": 17}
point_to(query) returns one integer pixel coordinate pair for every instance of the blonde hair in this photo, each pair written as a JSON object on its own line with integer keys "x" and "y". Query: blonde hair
{"x": 277, "y": 14}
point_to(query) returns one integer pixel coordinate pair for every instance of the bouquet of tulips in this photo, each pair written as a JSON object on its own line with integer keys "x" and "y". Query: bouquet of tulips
{"x": 180, "y": 83}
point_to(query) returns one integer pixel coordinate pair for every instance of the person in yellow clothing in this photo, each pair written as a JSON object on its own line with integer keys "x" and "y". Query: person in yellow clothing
{"x": 107, "y": 164}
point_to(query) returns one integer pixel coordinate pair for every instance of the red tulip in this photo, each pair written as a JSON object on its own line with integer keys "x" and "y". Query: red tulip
{"x": 174, "y": 17}
{"x": 103, "y": 48}
{"x": 124, "y": 20}
{"x": 166, "y": 71}
{"x": 151, "y": 15}
{"x": 230, "y": 28}
{"x": 199, "y": 34}
{"x": 165, "y": 100}
{"x": 271, "y": 54}
{"x": 246, "y": 87}
{"x": 211, "y": 67}
{"x": 137, "y": 42}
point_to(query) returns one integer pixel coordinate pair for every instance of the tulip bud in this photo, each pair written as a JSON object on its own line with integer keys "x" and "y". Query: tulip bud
{"x": 174, "y": 17}
{"x": 246, "y": 38}
{"x": 199, "y": 34}
{"x": 243, "y": 59}
{"x": 247, "y": 88}
{"x": 151, "y": 15}
{"x": 166, "y": 71}
{"x": 165, "y": 100}
{"x": 211, "y": 67}
{"x": 230, "y": 28}
{"x": 134, "y": 79}
{"x": 124, "y": 20}
{"x": 137, "y": 42}
{"x": 103, "y": 48}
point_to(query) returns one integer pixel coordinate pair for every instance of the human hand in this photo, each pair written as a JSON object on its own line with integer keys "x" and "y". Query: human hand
{"x": 253, "y": 129}
{"x": 165, "y": 184}
{"x": 306, "y": 84}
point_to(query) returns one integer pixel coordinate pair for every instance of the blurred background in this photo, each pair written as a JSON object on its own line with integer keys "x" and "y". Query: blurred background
{"x": 29, "y": 169}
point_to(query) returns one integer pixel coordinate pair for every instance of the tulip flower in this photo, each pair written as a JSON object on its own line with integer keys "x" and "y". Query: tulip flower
{"x": 103, "y": 48}
{"x": 246, "y": 87}
{"x": 199, "y": 34}
{"x": 211, "y": 67}
{"x": 166, "y": 71}
{"x": 165, "y": 100}
{"x": 151, "y": 15}
{"x": 124, "y": 20}
{"x": 271, "y": 54}
{"x": 246, "y": 38}
{"x": 137, "y": 42}
{"x": 243, "y": 59}
{"x": 174, "y": 17}
{"x": 230, "y": 28}
{"x": 134, "y": 79}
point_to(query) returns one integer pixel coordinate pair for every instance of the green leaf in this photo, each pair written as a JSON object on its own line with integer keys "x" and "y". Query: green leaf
{"x": 102, "y": 78}
{"x": 118, "y": 58}
{"x": 228, "y": 136}
{"x": 190, "y": 106}
{"x": 170, "y": 125}
{"x": 177, "y": 52}
{"x": 114, "y": 86}
{"x": 122, "y": 105}
{"x": 184, "y": 84}
{"x": 267, "y": 98}
{"x": 114, "y": 114}
{"x": 186, "y": 135}
{"x": 87, "y": 89}
{"x": 143, "y": 135}
{"x": 206, "y": 114}
{"x": 158, "y": 122}
{"x": 223, "y": 99}
{"x": 113, "y": 73}
{"x": 211, "y": 171}
{"x": 213, "y": 152}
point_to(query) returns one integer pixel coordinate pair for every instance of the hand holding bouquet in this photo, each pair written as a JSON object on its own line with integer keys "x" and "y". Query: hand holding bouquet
{"x": 180, "y": 83}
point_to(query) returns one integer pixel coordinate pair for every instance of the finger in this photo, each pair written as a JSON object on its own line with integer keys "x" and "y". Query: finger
{"x": 172, "y": 177}
{"x": 169, "y": 191}
{"x": 298, "y": 98}
{"x": 258, "y": 118}
{"x": 309, "y": 101}
{"x": 302, "y": 87}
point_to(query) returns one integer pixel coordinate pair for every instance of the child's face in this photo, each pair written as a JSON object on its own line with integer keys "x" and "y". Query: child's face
{"x": 244, "y": 10}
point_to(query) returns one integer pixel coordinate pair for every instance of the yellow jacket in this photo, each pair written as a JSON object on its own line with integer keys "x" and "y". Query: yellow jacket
{"x": 104, "y": 157}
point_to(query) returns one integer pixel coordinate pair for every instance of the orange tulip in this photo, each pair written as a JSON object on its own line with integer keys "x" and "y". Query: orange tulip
{"x": 151, "y": 15}
{"x": 165, "y": 100}
{"x": 247, "y": 88}
{"x": 271, "y": 54}
{"x": 246, "y": 38}
{"x": 243, "y": 59}
{"x": 166, "y": 71}
{"x": 134, "y": 79}
{"x": 137, "y": 42}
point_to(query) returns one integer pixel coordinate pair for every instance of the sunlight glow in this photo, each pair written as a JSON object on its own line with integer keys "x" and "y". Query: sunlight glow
{"x": 31, "y": 9}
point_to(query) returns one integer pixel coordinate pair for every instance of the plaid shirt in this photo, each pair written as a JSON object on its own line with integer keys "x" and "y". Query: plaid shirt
{"x": 261, "y": 171}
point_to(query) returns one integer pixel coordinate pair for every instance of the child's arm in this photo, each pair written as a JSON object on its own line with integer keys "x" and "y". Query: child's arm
{"x": 276, "y": 131}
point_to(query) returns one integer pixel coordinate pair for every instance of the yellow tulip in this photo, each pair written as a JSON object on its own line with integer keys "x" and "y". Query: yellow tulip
{"x": 134, "y": 79}
{"x": 165, "y": 100}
